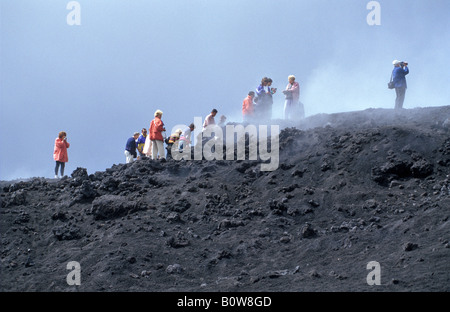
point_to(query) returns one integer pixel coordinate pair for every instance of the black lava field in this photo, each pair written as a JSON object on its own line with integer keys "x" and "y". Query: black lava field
{"x": 351, "y": 188}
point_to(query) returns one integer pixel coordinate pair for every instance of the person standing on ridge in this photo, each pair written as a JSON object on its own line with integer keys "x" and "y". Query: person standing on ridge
{"x": 156, "y": 133}
{"x": 141, "y": 143}
{"x": 209, "y": 124}
{"x": 398, "y": 77}
{"x": 248, "y": 107}
{"x": 130, "y": 148}
{"x": 263, "y": 93}
{"x": 60, "y": 153}
{"x": 292, "y": 94}
{"x": 209, "y": 120}
{"x": 269, "y": 98}
{"x": 222, "y": 121}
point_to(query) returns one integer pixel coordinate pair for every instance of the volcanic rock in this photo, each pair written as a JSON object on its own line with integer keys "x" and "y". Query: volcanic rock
{"x": 113, "y": 206}
{"x": 350, "y": 188}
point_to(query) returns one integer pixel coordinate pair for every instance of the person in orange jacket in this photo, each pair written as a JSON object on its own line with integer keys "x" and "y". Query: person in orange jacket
{"x": 248, "y": 107}
{"x": 157, "y": 133}
{"x": 60, "y": 153}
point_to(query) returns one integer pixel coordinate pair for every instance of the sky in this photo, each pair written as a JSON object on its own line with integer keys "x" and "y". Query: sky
{"x": 102, "y": 80}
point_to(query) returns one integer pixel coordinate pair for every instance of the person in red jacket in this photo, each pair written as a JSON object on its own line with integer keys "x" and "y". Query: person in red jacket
{"x": 157, "y": 133}
{"x": 248, "y": 107}
{"x": 60, "y": 153}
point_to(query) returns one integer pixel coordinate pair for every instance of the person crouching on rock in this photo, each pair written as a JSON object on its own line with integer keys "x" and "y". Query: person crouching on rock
{"x": 156, "y": 136}
{"x": 130, "y": 148}
{"x": 185, "y": 138}
{"x": 60, "y": 153}
{"x": 173, "y": 139}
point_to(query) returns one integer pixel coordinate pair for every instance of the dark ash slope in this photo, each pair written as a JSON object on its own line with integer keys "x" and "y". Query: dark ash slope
{"x": 351, "y": 188}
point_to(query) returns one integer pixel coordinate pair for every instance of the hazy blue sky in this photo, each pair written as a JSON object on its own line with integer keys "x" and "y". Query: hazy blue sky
{"x": 103, "y": 80}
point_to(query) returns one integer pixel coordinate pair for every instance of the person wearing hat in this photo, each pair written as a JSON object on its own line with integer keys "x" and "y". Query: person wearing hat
{"x": 130, "y": 148}
{"x": 399, "y": 80}
{"x": 156, "y": 133}
{"x": 173, "y": 139}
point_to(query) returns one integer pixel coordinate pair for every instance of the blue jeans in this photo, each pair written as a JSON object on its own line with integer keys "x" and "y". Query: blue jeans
{"x": 58, "y": 164}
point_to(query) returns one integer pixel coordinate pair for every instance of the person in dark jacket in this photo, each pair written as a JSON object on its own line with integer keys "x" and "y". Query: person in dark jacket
{"x": 248, "y": 107}
{"x": 264, "y": 99}
{"x": 398, "y": 77}
{"x": 269, "y": 98}
{"x": 130, "y": 148}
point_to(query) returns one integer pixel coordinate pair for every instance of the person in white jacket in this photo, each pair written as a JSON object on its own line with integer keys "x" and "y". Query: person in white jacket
{"x": 209, "y": 120}
{"x": 292, "y": 94}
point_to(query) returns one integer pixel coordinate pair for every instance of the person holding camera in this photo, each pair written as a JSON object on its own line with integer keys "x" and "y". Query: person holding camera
{"x": 399, "y": 81}
{"x": 60, "y": 153}
{"x": 263, "y": 94}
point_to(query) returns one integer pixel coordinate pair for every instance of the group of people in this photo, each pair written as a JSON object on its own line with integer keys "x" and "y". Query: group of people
{"x": 257, "y": 106}
{"x": 151, "y": 144}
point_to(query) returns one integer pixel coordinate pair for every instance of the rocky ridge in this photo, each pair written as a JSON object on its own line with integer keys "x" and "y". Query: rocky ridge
{"x": 351, "y": 188}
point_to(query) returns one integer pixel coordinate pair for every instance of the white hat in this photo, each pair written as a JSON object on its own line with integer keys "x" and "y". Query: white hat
{"x": 395, "y": 62}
